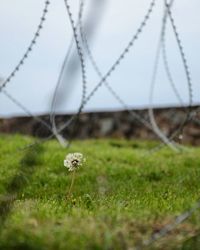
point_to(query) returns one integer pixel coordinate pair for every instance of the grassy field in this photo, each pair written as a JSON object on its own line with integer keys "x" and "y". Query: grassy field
{"x": 120, "y": 196}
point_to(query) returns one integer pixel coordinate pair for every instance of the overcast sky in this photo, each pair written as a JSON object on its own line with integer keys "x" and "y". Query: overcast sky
{"x": 34, "y": 84}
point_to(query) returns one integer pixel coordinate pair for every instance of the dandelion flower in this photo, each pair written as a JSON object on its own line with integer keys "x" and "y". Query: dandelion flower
{"x": 73, "y": 161}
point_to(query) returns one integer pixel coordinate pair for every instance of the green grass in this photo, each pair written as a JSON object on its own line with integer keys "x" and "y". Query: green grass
{"x": 120, "y": 196}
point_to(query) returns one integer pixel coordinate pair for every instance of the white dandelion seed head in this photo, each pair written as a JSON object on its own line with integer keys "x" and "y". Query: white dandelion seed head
{"x": 73, "y": 161}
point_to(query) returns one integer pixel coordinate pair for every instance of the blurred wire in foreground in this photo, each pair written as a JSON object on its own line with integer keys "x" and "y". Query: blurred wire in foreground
{"x": 169, "y": 227}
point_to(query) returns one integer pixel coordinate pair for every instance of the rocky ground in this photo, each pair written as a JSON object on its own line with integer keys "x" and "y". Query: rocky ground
{"x": 121, "y": 124}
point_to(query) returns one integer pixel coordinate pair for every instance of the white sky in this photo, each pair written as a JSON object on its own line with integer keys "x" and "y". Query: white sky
{"x": 35, "y": 82}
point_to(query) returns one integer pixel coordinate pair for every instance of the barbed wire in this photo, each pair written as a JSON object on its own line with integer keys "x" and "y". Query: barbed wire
{"x": 30, "y": 47}
{"x": 113, "y": 92}
{"x": 18, "y": 67}
{"x": 186, "y": 69}
{"x": 107, "y": 85}
{"x": 59, "y": 137}
{"x": 53, "y": 103}
{"x": 115, "y": 65}
{"x": 112, "y": 68}
{"x": 117, "y": 62}
{"x": 169, "y": 139}
{"x": 81, "y": 58}
{"x": 155, "y": 126}
{"x": 79, "y": 48}
{"x": 27, "y": 111}
{"x": 82, "y": 62}
{"x": 182, "y": 53}
{"x": 165, "y": 59}
{"x": 109, "y": 72}
{"x": 123, "y": 53}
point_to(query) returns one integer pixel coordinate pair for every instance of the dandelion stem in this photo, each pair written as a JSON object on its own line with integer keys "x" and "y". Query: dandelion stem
{"x": 71, "y": 186}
